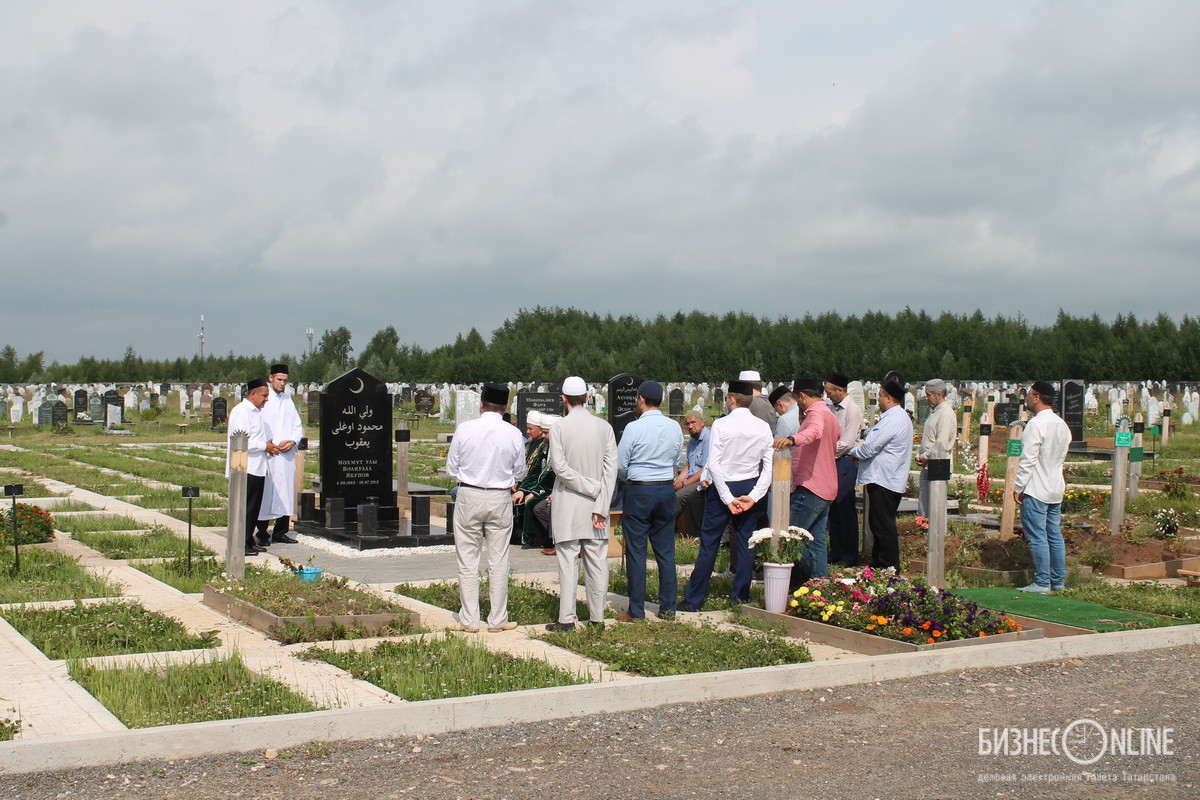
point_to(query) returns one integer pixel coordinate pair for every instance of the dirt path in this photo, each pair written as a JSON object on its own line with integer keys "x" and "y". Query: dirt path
{"x": 915, "y": 738}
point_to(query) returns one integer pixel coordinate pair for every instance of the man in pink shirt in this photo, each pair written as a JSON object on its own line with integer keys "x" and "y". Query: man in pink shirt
{"x": 814, "y": 474}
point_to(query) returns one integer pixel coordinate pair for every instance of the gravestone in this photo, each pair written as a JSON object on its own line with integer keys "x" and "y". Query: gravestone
{"x": 206, "y": 400}
{"x": 144, "y": 404}
{"x": 545, "y": 402}
{"x": 423, "y": 401}
{"x": 675, "y": 402}
{"x": 17, "y": 409}
{"x": 45, "y": 414}
{"x": 81, "y": 402}
{"x": 1071, "y": 408}
{"x": 58, "y": 414}
{"x": 719, "y": 397}
{"x": 220, "y": 412}
{"x": 622, "y": 401}
{"x": 314, "y": 407}
{"x": 95, "y": 407}
{"x": 1004, "y": 413}
{"x": 922, "y": 409}
{"x": 356, "y": 441}
{"x": 3, "y": 410}
{"x": 854, "y": 390}
{"x": 466, "y": 406}
{"x": 114, "y": 409}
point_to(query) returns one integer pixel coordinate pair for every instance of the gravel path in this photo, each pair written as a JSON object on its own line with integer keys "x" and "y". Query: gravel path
{"x": 915, "y": 738}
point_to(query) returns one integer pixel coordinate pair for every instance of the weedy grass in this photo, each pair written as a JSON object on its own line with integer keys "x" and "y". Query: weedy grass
{"x": 169, "y": 498}
{"x": 451, "y": 667}
{"x": 1181, "y": 602}
{"x": 158, "y": 542}
{"x": 70, "y": 505}
{"x": 528, "y": 603}
{"x": 222, "y": 688}
{"x": 9, "y": 728}
{"x": 33, "y": 489}
{"x": 720, "y": 588}
{"x": 660, "y": 647}
{"x": 84, "y": 523}
{"x": 175, "y": 573}
{"x": 104, "y": 629}
{"x": 202, "y": 517}
{"x": 49, "y": 576}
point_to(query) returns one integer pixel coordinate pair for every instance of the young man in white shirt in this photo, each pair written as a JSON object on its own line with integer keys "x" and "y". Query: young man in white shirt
{"x": 1039, "y": 488}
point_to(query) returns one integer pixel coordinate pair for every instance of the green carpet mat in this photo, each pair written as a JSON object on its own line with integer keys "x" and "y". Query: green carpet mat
{"x": 1079, "y": 613}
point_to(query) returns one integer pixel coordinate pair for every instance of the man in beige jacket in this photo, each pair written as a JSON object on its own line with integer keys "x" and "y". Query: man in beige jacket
{"x": 937, "y": 438}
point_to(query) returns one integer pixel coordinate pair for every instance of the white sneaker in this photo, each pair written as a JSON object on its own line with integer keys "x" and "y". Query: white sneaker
{"x": 508, "y": 626}
{"x": 1036, "y": 588}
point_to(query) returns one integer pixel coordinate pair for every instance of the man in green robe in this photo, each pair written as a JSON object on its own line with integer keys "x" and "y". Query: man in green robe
{"x": 539, "y": 480}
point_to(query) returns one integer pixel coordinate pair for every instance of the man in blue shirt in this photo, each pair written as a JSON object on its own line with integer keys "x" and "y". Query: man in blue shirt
{"x": 647, "y": 456}
{"x": 883, "y": 460}
{"x": 689, "y": 494}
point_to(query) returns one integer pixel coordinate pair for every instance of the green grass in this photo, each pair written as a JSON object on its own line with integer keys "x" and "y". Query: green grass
{"x": 175, "y": 573}
{"x": 1180, "y": 602}
{"x": 169, "y": 498}
{"x": 158, "y": 542}
{"x": 719, "y": 589}
{"x": 32, "y": 488}
{"x": 209, "y": 478}
{"x": 1097, "y": 616}
{"x": 49, "y": 576}
{"x": 84, "y": 523}
{"x": 687, "y": 549}
{"x": 70, "y": 505}
{"x": 9, "y": 728}
{"x": 528, "y": 603}
{"x": 104, "y": 629}
{"x": 222, "y": 688}
{"x": 676, "y": 648}
{"x": 202, "y": 517}
{"x": 450, "y": 667}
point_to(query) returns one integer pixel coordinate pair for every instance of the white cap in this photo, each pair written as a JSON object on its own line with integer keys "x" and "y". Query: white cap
{"x": 749, "y": 375}
{"x": 546, "y": 421}
{"x": 534, "y": 418}
{"x": 574, "y": 386}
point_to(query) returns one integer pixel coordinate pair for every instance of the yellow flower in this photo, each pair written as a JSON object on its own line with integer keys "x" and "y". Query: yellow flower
{"x": 803, "y": 590}
{"x": 817, "y": 593}
{"x": 870, "y": 627}
{"x": 794, "y": 603}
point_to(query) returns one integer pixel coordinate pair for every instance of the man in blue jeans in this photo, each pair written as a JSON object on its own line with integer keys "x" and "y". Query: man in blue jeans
{"x": 647, "y": 458}
{"x": 1039, "y": 487}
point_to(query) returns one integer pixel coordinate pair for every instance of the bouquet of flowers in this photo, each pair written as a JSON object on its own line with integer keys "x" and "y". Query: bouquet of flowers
{"x": 1167, "y": 522}
{"x": 788, "y": 548}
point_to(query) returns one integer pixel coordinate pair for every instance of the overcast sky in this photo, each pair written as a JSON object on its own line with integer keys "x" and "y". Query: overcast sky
{"x": 435, "y": 166}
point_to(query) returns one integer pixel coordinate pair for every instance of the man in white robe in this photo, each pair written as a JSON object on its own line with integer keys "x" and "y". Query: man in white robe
{"x": 285, "y": 430}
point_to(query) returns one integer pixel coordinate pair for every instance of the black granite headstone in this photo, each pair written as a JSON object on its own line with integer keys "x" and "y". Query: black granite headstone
{"x": 1004, "y": 413}
{"x": 81, "y": 401}
{"x": 220, "y": 412}
{"x": 356, "y": 439}
{"x": 423, "y": 401}
{"x": 719, "y": 397}
{"x": 58, "y": 414}
{"x": 314, "y": 407}
{"x": 95, "y": 407}
{"x": 1070, "y": 406}
{"x": 545, "y": 402}
{"x": 922, "y": 409}
{"x": 675, "y": 402}
{"x": 45, "y": 414}
{"x": 622, "y": 401}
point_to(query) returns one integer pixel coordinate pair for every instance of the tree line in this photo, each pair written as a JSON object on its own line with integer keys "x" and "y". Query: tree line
{"x": 543, "y": 344}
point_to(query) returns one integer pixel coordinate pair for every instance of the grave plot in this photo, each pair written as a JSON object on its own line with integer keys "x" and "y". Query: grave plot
{"x": 528, "y": 602}
{"x": 103, "y": 629}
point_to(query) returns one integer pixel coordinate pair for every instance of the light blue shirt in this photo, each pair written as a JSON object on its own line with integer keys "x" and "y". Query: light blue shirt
{"x": 788, "y": 422}
{"x": 885, "y": 455}
{"x": 650, "y": 448}
{"x": 697, "y": 452}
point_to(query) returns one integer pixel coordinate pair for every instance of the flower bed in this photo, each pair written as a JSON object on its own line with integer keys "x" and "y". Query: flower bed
{"x": 883, "y": 604}
{"x": 34, "y": 524}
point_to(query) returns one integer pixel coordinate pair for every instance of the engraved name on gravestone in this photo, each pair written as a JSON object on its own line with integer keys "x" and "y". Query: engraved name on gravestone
{"x": 675, "y": 402}
{"x": 356, "y": 440}
{"x": 622, "y": 401}
{"x": 1004, "y": 413}
{"x": 220, "y": 412}
{"x": 466, "y": 406}
{"x": 545, "y": 402}
{"x": 1070, "y": 406}
{"x": 58, "y": 414}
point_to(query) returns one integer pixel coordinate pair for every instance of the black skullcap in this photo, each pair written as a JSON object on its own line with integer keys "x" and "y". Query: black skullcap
{"x": 1045, "y": 389}
{"x": 776, "y": 393}
{"x": 494, "y": 393}
{"x": 838, "y": 379}
{"x": 895, "y": 389}
{"x": 740, "y": 387}
{"x": 254, "y": 383}
{"x": 277, "y": 368}
{"x": 651, "y": 390}
{"x": 810, "y": 386}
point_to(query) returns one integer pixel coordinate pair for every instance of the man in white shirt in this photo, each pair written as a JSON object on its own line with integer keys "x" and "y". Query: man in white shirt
{"x": 1039, "y": 488}
{"x": 883, "y": 462}
{"x": 279, "y": 491}
{"x": 739, "y": 468}
{"x": 487, "y": 458}
{"x": 784, "y": 403}
{"x": 937, "y": 438}
{"x": 246, "y": 417}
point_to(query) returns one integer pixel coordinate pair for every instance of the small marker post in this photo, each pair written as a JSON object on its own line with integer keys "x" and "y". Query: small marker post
{"x": 190, "y": 493}
{"x": 15, "y": 490}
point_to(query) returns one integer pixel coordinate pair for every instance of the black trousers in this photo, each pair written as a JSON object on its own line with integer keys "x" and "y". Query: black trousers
{"x": 280, "y": 529}
{"x": 254, "y": 496}
{"x": 843, "y": 516}
{"x": 881, "y": 517}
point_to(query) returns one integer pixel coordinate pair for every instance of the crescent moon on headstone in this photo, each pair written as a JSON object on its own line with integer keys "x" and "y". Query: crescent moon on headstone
{"x": 361, "y": 386}
{"x": 630, "y": 383}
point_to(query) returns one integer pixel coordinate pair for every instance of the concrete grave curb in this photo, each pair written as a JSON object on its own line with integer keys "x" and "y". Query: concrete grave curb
{"x": 407, "y": 719}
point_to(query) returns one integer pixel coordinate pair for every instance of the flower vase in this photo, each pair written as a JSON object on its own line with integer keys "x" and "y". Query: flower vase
{"x": 777, "y": 579}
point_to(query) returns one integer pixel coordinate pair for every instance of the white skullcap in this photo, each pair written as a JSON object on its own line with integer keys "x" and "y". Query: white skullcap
{"x": 749, "y": 375}
{"x": 574, "y": 386}
{"x": 546, "y": 421}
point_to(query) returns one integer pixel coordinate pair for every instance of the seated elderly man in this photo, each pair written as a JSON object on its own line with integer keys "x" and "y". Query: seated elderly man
{"x": 539, "y": 480}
